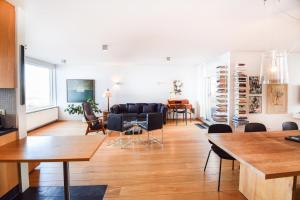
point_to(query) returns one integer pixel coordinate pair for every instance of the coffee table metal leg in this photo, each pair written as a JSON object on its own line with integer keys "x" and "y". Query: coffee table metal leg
{"x": 66, "y": 181}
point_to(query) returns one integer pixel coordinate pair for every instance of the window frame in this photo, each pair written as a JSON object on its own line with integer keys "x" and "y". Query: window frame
{"x": 52, "y": 81}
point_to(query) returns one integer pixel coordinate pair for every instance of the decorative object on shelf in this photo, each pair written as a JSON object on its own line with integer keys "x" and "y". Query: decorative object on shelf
{"x": 80, "y": 90}
{"x": 255, "y": 104}
{"x": 177, "y": 87}
{"x": 277, "y": 98}
{"x": 274, "y": 68}
{"x": 73, "y": 109}
{"x": 240, "y": 95}
{"x": 107, "y": 94}
{"x": 255, "y": 87}
{"x": 221, "y": 112}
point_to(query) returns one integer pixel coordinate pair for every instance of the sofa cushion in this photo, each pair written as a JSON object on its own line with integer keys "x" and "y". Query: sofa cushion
{"x": 140, "y": 106}
{"x": 123, "y": 108}
{"x": 155, "y": 106}
{"x": 148, "y": 108}
{"x": 132, "y": 108}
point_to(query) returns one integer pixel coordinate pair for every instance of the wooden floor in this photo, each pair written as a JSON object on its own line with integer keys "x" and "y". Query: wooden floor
{"x": 174, "y": 171}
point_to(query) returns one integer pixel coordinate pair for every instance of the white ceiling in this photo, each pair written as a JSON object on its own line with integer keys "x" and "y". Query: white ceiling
{"x": 147, "y": 31}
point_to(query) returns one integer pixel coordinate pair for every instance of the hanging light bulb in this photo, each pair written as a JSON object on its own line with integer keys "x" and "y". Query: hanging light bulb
{"x": 274, "y": 68}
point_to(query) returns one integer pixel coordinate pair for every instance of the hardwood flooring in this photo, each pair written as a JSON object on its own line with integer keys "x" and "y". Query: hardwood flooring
{"x": 171, "y": 172}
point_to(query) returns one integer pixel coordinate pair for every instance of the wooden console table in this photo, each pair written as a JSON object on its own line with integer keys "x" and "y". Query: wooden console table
{"x": 52, "y": 149}
{"x": 269, "y": 163}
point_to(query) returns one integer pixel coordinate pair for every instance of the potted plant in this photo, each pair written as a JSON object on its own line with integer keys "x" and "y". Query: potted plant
{"x": 75, "y": 109}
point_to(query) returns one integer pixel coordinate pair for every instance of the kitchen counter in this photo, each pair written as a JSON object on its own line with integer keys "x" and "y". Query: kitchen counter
{"x": 5, "y": 131}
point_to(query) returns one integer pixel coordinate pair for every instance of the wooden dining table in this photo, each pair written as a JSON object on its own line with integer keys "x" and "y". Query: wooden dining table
{"x": 269, "y": 164}
{"x": 63, "y": 149}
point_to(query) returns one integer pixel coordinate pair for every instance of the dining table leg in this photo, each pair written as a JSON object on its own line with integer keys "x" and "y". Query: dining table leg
{"x": 66, "y": 181}
{"x": 20, "y": 179}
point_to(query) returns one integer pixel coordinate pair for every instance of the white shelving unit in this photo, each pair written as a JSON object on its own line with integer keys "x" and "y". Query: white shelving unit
{"x": 240, "y": 95}
{"x": 221, "y": 114}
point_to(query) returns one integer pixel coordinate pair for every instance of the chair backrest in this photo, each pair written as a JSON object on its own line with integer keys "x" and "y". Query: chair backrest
{"x": 219, "y": 128}
{"x": 88, "y": 112}
{"x": 154, "y": 121}
{"x": 289, "y": 126}
{"x": 115, "y": 122}
{"x": 255, "y": 127}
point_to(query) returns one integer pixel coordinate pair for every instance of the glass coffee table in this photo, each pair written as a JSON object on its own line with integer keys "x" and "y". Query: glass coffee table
{"x": 134, "y": 130}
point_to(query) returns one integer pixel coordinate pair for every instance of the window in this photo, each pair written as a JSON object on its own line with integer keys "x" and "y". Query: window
{"x": 39, "y": 86}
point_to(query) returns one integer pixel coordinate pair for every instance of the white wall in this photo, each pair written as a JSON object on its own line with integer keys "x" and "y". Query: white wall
{"x": 208, "y": 85}
{"x": 139, "y": 83}
{"x": 253, "y": 60}
{"x": 272, "y": 121}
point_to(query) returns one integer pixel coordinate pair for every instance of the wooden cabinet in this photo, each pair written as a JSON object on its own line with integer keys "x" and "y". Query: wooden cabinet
{"x": 7, "y": 45}
{"x": 8, "y": 171}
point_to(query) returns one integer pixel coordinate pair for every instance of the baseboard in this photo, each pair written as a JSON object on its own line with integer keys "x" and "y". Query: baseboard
{"x": 41, "y": 126}
{"x": 12, "y": 194}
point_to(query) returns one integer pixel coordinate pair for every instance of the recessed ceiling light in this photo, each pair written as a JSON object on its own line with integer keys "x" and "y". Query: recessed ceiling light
{"x": 64, "y": 61}
{"x": 105, "y": 47}
{"x": 168, "y": 58}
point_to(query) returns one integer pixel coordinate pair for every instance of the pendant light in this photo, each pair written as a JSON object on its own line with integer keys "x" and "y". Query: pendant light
{"x": 274, "y": 68}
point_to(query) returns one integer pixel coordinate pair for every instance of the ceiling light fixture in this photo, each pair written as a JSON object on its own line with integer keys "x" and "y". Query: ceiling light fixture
{"x": 105, "y": 47}
{"x": 265, "y": 1}
{"x": 64, "y": 61}
{"x": 274, "y": 68}
{"x": 168, "y": 58}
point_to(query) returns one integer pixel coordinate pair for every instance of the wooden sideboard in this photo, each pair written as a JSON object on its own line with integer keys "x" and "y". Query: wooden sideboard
{"x": 7, "y": 45}
{"x": 8, "y": 171}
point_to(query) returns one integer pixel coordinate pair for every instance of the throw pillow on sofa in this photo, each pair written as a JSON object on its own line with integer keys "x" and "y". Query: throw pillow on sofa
{"x": 133, "y": 109}
{"x": 148, "y": 108}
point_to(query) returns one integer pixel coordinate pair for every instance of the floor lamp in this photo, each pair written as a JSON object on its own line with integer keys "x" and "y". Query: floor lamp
{"x": 107, "y": 94}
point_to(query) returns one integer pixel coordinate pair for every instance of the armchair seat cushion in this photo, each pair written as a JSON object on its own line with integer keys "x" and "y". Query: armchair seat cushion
{"x": 142, "y": 117}
{"x": 96, "y": 126}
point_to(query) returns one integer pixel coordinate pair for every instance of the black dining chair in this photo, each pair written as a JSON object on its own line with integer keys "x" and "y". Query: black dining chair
{"x": 290, "y": 126}
{"x": 255, "y": 127}
{"x": 219, "y": 128}
{"x": 183, "y": 112}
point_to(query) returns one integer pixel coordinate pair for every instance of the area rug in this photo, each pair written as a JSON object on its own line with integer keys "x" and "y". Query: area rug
{"x": 202, "y": 126}
{"x": 57, "y": 193}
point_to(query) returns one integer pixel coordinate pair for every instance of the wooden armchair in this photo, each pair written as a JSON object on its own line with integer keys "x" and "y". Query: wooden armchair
{"x": 95, "y": 124}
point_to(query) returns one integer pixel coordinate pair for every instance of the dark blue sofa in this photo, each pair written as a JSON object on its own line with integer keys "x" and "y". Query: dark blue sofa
{"x": 141, "y": 109}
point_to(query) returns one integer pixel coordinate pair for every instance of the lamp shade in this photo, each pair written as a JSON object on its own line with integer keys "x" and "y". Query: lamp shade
{"x": 274, "y": 68}
{"x": 107, "y": 93}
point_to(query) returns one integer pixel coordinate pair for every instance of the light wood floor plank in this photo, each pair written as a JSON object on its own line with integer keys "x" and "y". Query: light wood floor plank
{"x": 171, "y": 172}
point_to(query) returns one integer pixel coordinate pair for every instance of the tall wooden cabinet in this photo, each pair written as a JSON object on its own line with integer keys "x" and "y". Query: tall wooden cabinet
{"x": 7, "y": 45}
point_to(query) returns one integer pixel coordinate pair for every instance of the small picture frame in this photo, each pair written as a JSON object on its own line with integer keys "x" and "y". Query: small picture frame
{"x": 255, "y": 87}
{"x": 255, "y": 104}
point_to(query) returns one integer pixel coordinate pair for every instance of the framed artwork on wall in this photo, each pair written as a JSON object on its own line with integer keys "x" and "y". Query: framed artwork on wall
{"x": 255, "y": 85}
{"x": 277, "y": 98}
{"x": 79, "y": 90}
{"x": 255, "y": 104}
